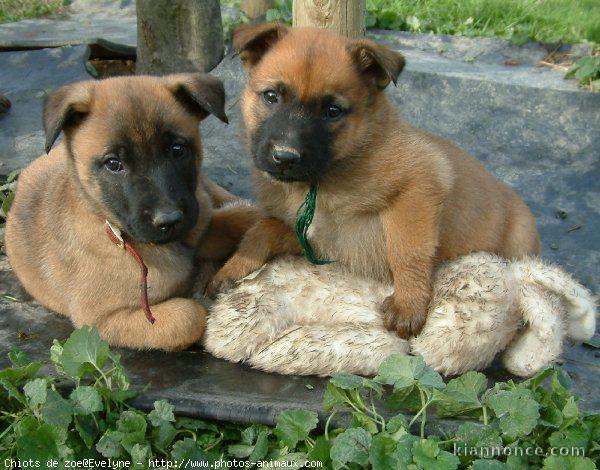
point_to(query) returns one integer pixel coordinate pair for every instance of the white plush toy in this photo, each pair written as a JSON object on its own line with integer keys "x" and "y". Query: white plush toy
{"x": 292, "y": 317}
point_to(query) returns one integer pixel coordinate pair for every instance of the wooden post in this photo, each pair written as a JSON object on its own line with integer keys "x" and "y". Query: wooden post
{"x": 255, "y": 8}
{"x": 178, "y": 36}
{"x": 346, "y": 17}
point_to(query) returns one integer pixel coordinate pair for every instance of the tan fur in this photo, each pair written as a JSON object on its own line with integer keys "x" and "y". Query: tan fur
{"x": 396, "y": 200}
{"x": 55, "y": 236}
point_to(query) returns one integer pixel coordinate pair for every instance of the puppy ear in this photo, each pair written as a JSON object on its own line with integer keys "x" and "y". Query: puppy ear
{"x": 377, "y": 62}
{"x": 64, "y": 108}
{"x": 252, "y": 41}
{"x": 201, "y": 94}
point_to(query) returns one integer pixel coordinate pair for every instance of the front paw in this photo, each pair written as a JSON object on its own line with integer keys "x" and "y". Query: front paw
{"x": 407, "y": 322}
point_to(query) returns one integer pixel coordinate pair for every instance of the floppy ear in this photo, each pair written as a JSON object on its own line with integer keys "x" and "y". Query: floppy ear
{"x": 201, "y": 94}
{"x": 376, "y": 62}
{"x": 64, "y": 108}
{"x": 252, "y": 41}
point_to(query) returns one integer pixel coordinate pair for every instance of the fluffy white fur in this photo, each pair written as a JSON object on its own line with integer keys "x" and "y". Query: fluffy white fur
{"x": 291, "y": 317}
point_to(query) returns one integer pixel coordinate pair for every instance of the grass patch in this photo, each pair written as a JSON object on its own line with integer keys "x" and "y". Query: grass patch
{"x": 516, "y": 20}
{"x": 15, "y": 10}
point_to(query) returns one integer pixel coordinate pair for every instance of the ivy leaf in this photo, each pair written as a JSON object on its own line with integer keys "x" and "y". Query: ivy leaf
{"x": 260, "y": 448}
{"x": 320, "y": 451}
{"x": 83, "y": 352}
{"x": 404, "y": 372}
{"x": 140, "y": 454}
{"x": 18, "y": 358}
{"x": 36, "y": 391}
{"x": 189, "y": 449}
{"x": 86, "y": 400}
{"x": 162, "y": 413}
{"x": 478, "y": 436}
{"x": 354, "y": 382}
{"x": 109, "y": 444}
{"x": 132, "y": 427}
{"x": 462, "y": 395}
{"x": 382, "y": 454}
{"x": 56, "y": 411}
{"x": 38, "y": 445}
{"x": 568, "y": 463}
{"x": 516, "y": 410}
{"x": 352, "y": 446}
{"x": 294, "y": 426}
{"x": 427, "y": 454}
{"x": 333, "y": 396}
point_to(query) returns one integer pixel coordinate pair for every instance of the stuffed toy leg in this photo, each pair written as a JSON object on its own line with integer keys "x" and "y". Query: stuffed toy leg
{"x": 292, "y": 317}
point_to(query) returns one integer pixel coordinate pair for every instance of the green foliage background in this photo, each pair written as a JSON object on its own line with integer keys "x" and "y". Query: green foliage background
{"x": 82, "y": 411}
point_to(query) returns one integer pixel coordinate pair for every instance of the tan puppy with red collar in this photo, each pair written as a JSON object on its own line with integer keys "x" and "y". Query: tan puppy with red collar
{"x": 393, "y": 201}
{"x": 131, "y": 156}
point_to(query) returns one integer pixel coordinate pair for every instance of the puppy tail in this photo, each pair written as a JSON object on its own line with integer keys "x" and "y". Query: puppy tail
{"x": 579, "y": 304}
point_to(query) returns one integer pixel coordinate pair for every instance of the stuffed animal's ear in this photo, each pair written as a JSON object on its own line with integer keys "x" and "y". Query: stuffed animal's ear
{"x": 252, "y": 41}
{"x": 201, "y": 94}
{"x": 376, "y": 62}
{"x": 64, "y": 109}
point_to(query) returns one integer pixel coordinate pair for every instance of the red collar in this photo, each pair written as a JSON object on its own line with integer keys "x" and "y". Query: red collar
{"x": 115, "y": 237}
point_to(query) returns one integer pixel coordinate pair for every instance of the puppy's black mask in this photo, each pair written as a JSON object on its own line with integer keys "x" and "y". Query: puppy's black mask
{"x": 293, "y": 143}
{"x": 150, "y": 187}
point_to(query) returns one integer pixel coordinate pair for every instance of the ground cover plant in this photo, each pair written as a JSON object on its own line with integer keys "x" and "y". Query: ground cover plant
{"x": 82, "y": 411}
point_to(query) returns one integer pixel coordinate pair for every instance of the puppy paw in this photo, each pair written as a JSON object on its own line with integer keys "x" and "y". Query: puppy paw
{"x": 219, "y": 284}
{"x": 405, "y": 321}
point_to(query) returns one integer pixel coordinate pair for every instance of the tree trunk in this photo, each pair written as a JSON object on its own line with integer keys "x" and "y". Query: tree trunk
{"x": 346, "y": 17}
{"x": 178, "y": 36}
{"x": 255, "y": 8}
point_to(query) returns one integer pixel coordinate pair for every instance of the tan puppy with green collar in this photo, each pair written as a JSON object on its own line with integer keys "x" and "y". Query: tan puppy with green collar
{"x": 131, "y": 156}
{"x": 393, "y": 201}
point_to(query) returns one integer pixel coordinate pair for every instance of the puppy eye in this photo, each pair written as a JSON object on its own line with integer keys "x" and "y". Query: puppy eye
{"x": 114, "y": 165}
{"x": 333, "y": 111}
{"x": 270, "y": 96}
{"x": 178, "y": 150}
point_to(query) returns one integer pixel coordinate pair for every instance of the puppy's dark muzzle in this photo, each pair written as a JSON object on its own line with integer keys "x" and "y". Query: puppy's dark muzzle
{"x": 285, "y": 156}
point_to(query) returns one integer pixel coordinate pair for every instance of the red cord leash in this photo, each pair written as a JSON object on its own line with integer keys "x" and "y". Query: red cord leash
{"x": 118, "y": 240}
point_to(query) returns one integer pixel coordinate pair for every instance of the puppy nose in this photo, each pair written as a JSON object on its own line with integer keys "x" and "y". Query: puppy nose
{"x": 285, "y": 155}
{"x": 166, "y": 220}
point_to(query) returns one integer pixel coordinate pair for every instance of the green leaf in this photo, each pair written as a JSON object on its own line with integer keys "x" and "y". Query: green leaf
{"x": 189, "y": 449}
{"x": 571, "y": 438}
{"x": 56, "y": 411}
{"x": 462, "y": 395}
{"x": 38, "y": 445}
{"x": 140, "y": 454}
{"x": 568, "y": 463}
{"x": 18, "y": 358}
{"x": 86, "y": 400}
{"x": 294, "y": 426}
{"x": 260, "y": 448}
{"x": 427, "y": 454}
{"x": 36, "y": 392}
{"x": 162, "y": 412}
{"x": 333, "y": 396}
{"x": 404, "y": 372}
{"x": 352, "y": 446}
{"x": 240, "y": 451}
{"x": 517, "y": 411}
{"x": 132, "y": 426}
{"x": 109, "y": 444}
{"x": 87, "y": 430}
{"x": 354, "y": 382}
{"x": 478, "y": 435}
{"x": 83, "y": 349}
{"x": 195, "y": 424}
{"x": 382, "y": 454}
{"x": 320, "y": 451}
{"x": 164, "y": 435}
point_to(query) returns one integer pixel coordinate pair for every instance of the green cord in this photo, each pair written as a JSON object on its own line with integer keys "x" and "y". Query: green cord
{"x": 304, "y": 217}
